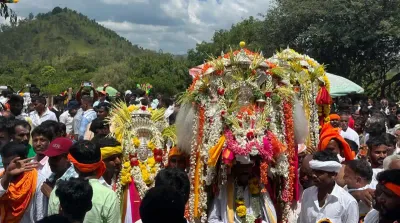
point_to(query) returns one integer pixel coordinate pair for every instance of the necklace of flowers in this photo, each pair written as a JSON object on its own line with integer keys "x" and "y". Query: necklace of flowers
{"x": 241, "y": 210}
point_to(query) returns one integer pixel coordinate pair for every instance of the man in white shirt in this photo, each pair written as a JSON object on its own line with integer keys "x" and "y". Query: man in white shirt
{"x": 306, "y": 181}
{"x": 102, "y": 98}
{"x": 41, "y": 113}
{"x": 327, "y": 200}
{"x": 77, "y": 123}
{"x": 347, "y": 132}
{"x": 377, "y": 152}
{"x": 357, "y": 176}
{"x": 88, "y": 115}
{"x": 391, "y": 162}
{"x": 4, "y": 97}
{"x": 16, "y": 103}
{"x": 68, "y": 116}
{"x": 41, "y": 138}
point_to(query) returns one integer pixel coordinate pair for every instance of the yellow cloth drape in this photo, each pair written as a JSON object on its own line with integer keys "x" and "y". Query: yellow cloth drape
{"x": 230, "y": 212}
{"x": 215, "y": 152}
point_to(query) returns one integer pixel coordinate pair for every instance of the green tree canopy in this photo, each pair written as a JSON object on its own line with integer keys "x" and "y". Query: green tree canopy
{"x": 356, "y": 39}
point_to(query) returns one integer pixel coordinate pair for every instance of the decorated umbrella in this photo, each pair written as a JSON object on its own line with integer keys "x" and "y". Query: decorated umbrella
{"x": 341, "y": 86}
{"x": 110, "y": 91}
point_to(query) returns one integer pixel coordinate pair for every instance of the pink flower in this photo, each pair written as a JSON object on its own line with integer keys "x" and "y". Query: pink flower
{"x": 227, "y": 157}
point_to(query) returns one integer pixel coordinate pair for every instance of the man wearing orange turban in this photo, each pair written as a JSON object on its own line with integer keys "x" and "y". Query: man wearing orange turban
{"x": 334, "y": 120}
{"x": 330, "y": 139}
{"x": 88, "y": 163}
{"x": 176, "y": 159}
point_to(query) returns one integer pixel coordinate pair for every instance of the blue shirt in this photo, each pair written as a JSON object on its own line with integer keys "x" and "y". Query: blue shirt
{"x": 87, "y": 117}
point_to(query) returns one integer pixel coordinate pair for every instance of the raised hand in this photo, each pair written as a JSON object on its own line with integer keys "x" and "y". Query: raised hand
{"x": 18, "y": 166}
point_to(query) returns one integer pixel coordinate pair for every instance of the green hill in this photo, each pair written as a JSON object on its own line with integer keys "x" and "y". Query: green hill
{"x": 62, "y": 48}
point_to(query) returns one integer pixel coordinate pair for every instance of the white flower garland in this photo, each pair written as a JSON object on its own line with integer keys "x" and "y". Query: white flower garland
{"x": 193, "y": 168}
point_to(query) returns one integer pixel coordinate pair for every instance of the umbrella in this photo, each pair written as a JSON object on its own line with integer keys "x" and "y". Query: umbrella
{"x": 110, "y": 90}
{"x": 341, "y": 86}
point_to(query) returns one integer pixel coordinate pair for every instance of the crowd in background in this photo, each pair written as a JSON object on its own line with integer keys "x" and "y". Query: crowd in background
{"x": 59, "y": 165}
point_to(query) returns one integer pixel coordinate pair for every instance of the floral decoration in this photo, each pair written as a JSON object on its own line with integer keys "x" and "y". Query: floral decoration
{"x": 250, "y": 100}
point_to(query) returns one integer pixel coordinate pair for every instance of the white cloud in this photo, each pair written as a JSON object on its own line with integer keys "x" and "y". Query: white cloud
{"x": 131, "y": 27}
{"x": 124, "y": 2}
{"x": 171, "y": 25}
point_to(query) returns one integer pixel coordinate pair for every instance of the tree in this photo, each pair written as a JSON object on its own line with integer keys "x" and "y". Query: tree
{"x": 31, "y": 16}
{"x": 357, "y": 39}
{"x": 247, "y": 31}
{"x": 56, "y": 10}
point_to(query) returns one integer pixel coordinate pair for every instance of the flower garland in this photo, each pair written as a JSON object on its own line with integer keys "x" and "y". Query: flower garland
{"x": 249, "y": 100}
{"x": 196, "y": 201}
{"x": 193, "y": 160}
{"x": 139, "y": 164}
{"x": 241, "y": 210}
{"x": 234, "y": 146}
{"x": 287, "y": 192}
{"x": 264, "y": 174}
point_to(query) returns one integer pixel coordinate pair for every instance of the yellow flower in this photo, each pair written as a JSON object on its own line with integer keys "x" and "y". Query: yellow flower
{"x": 132, "y": 108}
{"x": 151, "y": 145}
{"x": 154, "y": 170}
{"x": 241, "y": 211}
{"x": 254, "y": 190}
{"x": 146, "y": 178}
{"x": 126, "y": 179}
{"x": 254, "y": 186}
{"x": 127, "y": 165}
{"x": 136, "y": 142}
{"x": 239, "y": 202}
{"x": 151, "y": 162}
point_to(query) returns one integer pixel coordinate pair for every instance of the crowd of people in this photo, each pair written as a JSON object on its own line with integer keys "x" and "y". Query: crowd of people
{"x": 60, "y": 163}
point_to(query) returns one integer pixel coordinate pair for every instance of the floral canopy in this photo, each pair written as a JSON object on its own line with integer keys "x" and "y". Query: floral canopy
{"x": 241, "y": 105}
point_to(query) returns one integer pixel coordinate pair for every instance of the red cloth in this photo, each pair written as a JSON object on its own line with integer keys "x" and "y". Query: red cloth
{"x": 135, "y": 201}
{"x": 351, "y": 122}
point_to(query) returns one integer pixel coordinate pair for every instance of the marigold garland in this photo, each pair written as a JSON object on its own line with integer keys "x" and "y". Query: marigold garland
{"x": 198, "y": 172}
{"x": 289, "y": 129}
{"x": 264, "y": 174}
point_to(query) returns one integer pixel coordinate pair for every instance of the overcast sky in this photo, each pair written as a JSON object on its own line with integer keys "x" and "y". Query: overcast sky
{"x": 171, "y": 25}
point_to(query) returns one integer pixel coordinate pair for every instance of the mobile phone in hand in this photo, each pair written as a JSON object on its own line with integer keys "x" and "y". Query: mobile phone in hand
{"x": 87, "y": 84}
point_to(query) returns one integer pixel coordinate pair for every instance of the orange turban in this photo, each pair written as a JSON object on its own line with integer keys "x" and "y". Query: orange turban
{"x": 334, "y": 117}
{"x": 99, "y": 167}
{"x": 327, "y": 134}
{"x": 174, "y": 152}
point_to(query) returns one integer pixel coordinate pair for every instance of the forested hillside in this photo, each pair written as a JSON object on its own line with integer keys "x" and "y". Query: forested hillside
{"x": 62, "y": 48}
{"x": 356, "y": 39}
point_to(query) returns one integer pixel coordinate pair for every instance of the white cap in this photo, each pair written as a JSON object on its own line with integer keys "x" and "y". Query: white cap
{"x": 128, "y": 92}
